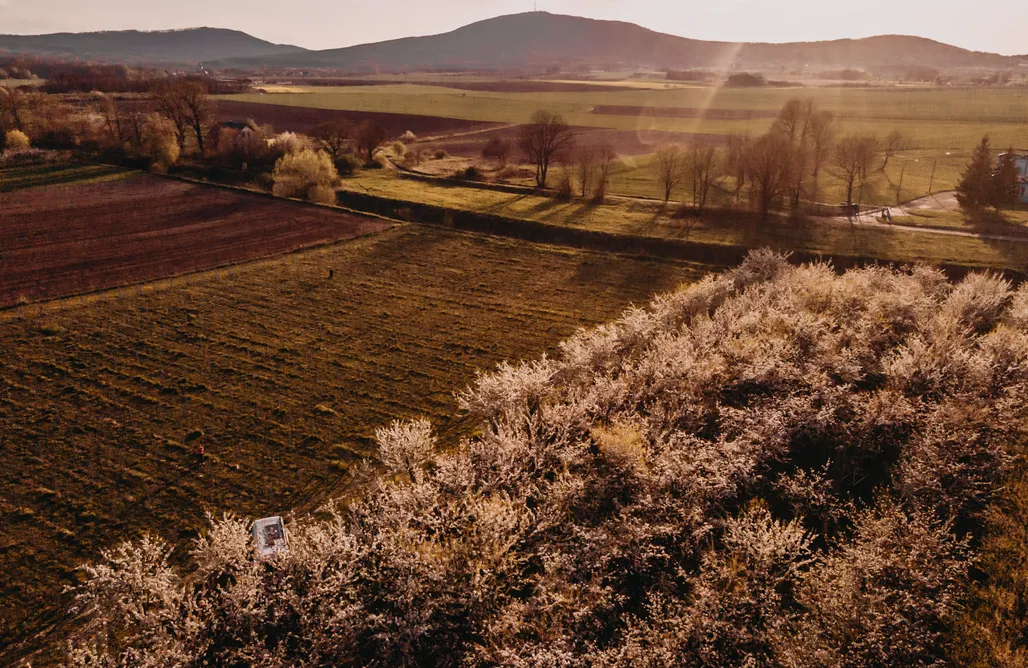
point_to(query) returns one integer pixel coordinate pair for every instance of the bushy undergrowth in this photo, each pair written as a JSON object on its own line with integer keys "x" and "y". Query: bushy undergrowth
{"x": 776, "y": 466}
{"x": 306, "y": 173}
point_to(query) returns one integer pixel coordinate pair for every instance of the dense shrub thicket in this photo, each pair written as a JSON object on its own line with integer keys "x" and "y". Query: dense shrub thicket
{"x": 306, "y": 173}
{"x": 776, "y": 466}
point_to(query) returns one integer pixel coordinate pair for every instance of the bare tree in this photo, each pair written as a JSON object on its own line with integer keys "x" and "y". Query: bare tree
{"x": 794, "y": 118}
{"x": 670, "y": 161}
{"x": 605, "y": 158}
{"x": 544, "y": 141}
{"x": 186, "y": 104}
{"x": 584, "y": 163}
{"x": 368, "y": 137}
{"x": 334, "y": 136}
{"x": 820, "y": 138}
{"x": 797, "y": 122}
{"x": 855, "y": 156}
{"x": 894, "y": 143}
{"x": 498, "y": 149}
{"x": 737, "y": 162}
{"x": 704, "y": 166}
{"x": 770, "y": 163}
{"x": 199, "y": 109}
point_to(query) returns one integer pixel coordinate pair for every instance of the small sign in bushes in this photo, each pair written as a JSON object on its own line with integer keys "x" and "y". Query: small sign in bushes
{"x": 269, "y": 536}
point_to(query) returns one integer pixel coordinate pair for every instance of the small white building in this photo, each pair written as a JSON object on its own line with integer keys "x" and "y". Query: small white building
{"x": 1022, "y": 167}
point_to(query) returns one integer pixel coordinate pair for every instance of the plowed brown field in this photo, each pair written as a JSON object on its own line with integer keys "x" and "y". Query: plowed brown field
{"x": 302, "y": 119}
{"x": 65, "y": 240}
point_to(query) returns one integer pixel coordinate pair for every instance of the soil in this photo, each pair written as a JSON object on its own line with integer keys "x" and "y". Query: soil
{"x": 624, "y": 142}
{"x": 301, "y": 119}
{"x": 670, "y": 112}
{"x": 59, "y": 241}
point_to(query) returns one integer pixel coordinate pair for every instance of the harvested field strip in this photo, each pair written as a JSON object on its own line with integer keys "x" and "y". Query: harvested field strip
{"x": 675, "y": 112}
{"x": 497, "y": 86}
{"x": 301, "y": 119}
{"x": 35, "y": 176}
{"x": 286, "y": 373}
{"x": 939, "y": 118}
{"x": 80, "y": 239}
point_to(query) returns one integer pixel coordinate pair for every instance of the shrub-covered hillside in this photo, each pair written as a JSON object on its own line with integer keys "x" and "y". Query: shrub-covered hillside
{"x": 776, "y": 466}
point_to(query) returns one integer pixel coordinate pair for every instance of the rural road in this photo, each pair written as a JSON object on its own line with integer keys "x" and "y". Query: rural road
{"x": 945, "y": 201}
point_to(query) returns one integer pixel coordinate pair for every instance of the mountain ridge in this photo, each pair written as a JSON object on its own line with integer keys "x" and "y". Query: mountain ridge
{"x": 529, "y": 40}
{"x": 537, "y": 39}
{"x": 139, "y": 47}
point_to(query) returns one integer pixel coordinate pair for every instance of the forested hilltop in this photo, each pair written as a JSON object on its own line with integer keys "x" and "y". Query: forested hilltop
{"x": 775, "y": 466}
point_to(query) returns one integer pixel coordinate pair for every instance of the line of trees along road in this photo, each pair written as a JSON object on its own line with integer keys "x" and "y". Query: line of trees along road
{"x": 783, "y": 167}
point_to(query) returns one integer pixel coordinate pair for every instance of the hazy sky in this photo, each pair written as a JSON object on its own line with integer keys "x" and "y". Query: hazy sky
{"x": 986, "y": 25}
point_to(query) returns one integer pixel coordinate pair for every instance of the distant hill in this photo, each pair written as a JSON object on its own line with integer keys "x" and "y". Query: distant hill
{"x": 195, "y": 45}
{"x": 544, "y": 39}
{"x": 532, "y": 40}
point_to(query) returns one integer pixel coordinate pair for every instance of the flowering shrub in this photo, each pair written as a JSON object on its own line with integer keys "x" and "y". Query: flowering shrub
{"x": 308, "y": 173}
{"x": 16, "y": 140}
{"x": 776, "y": 466}
{"x": 160, "y": 142}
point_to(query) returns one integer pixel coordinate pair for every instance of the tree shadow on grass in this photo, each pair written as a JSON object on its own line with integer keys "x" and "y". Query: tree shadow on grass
{"x": 1014, "y": 248}
{"x": 499, "y": 208}
{"x": 989, "y": 221}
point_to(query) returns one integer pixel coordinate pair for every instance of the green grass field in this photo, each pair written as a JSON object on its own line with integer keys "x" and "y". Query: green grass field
{"x": 627, "y": 217}
{"x": 286, "y": 373}
{"x": 907, "y": 176}
{"x": 934, "y": 118}
{"x": 941, "y": 125}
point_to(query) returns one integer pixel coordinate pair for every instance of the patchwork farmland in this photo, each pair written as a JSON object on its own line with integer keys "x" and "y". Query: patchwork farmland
{"x": 940, "y": 126}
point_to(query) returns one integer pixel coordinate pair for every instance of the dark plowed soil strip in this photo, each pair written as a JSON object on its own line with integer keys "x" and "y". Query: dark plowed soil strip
{"x": 61, "y": 241}
{"x": 300, "y": 119}
{"x": 673, "y": 112}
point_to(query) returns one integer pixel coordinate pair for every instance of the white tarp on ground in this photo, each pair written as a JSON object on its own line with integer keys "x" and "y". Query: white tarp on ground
{"x": 269, "y": 536}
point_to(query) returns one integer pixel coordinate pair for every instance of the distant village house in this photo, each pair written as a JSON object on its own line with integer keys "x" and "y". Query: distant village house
{"x": 1022, "y": 168}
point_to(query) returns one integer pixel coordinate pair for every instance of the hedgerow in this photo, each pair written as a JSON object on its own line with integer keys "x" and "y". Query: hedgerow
{"x": 775, "y": 466}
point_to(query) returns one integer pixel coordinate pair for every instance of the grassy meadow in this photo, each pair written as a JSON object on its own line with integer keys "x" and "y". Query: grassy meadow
{"x": 650, "y": 219}
{"x": 280, "y": 372}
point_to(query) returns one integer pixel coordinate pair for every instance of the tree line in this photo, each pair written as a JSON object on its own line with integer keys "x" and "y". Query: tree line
{"x": 783, "y": 166}
{"x": 176, "y": 119}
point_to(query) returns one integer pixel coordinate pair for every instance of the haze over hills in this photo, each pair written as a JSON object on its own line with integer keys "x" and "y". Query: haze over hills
{"x": 194, "y": 45}
{"x": 543, "y": 39}
{"x": 531, "y": 40}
